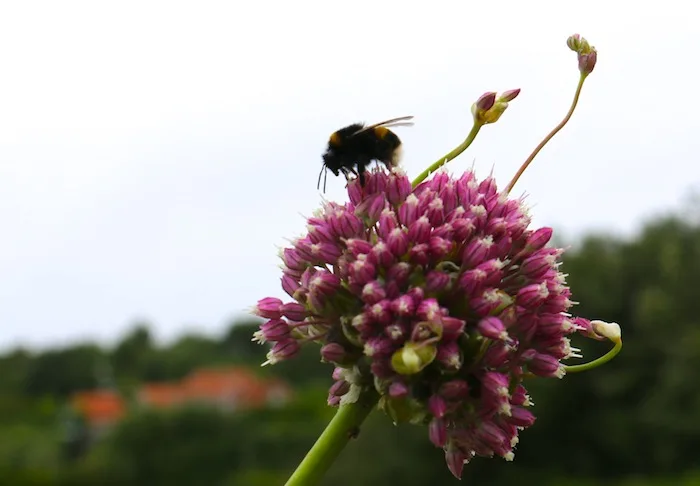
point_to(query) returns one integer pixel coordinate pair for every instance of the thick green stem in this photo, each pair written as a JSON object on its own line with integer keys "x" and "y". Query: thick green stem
{"x": 334, "y": 438}
{"x": 549, "y": 136}
{"x": 445, "y": 159}
{"x": 596, "y": 362}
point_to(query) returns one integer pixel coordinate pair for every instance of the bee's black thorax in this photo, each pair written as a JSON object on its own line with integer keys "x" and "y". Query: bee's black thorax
{"x": 351, "y": 152}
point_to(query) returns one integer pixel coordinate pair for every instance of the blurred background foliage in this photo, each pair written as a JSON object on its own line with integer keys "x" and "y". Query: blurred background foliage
{"x": 634, "y": 422}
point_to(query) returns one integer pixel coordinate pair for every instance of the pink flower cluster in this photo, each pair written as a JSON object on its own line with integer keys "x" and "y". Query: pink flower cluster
{"x": 439, "y": 297}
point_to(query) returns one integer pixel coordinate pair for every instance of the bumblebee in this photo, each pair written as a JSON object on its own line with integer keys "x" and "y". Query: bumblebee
{"x": 351, "y": 149}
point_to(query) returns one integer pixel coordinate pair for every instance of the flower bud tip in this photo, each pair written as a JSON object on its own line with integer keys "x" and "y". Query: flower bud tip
{"x": 509, "y": 95}
{"x": 610, "y": 330}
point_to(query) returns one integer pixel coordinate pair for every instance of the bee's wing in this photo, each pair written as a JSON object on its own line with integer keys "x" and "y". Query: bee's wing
{"x": 394, "y": 122}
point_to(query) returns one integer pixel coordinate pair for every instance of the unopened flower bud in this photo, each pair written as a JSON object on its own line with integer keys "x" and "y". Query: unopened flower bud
{"x": 321, "y": 232}
{"x": 338, "y": 374}
{"x": 272, "y": 331}
{"x": 521, "y": 417}
{"x": 541, "y": 364}
{"x": 333, "y": 353}
{"x": 492, "y": 435}
{"x": 437, "y": 281}
{"x": 403, "y": 306}
{"x": 520, "y": 397}
{"x": 491, "y": 302}
{"x": 455, "y": 459}
{"x": 492, "y": 328}
{"x": 294, "y": 311}
{"x": 489, "y": 108}
{"x": 290, "y": 285}
{"x": 419, "y": 231}
{"x": 437, "y": 406}
{"x": 373, "y": 292}
{"x": 345, "y": 224}
{"x": 574, "y": 42}
{"x": 412, "y": 358}
{"x": 454, "y": 390}
{"x": 381, "y": 312}
{"x": 378, "y": 346}
{"x": 532, "y": 295}
{"x": 437, "y": 432}
{"x": 586, "y": 62}
{"x": 509, "y": 95}
{"x": 484, "y": 103}
{"x": 339, "y": 388}
{"x": 587, "y": 54}
{"x": 493, "y": 115}
{"x": 450, "y": 356}
{"x": 269, "y": 308}
{"x": 282, "y": 350}
{"x": 610, "y": 330}
{"x": 293, "y": 260}
{"x": 497, "y": 355}
{"x": 422, "y": 331}
{"x": 357, "y": 246}
{"x": 375, "y": 184}
{"x": 362, "y": 271}
{"x": 419, "y": 254}
{"x": 382, "y": 255}
{"x": 398, "y": 188}
{"x": 476, "y": 251}
{"x": 538, "y": 239}
{"x": 584, "y": 327}
{"x": 452, "y": 328}
{"x": 371, "y": 208}
{"x": 408, "y": 212}
{"x": 429, "y": 310}
{"x": 355, "y": 192}
{"x": 398, "y": 389}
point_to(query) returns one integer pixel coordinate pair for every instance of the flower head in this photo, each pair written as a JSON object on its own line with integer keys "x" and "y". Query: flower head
{"x": 489, "y": 107}
{"x": 441, "y": 298}
{"x": 587, "y": 54}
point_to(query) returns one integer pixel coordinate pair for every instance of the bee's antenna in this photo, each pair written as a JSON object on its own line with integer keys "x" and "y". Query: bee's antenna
{"x": 325, "y": 178}
{"x": 318, "y": 184}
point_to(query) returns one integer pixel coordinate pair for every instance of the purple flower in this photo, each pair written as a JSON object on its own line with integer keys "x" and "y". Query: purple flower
{"x": 440, "y": 295}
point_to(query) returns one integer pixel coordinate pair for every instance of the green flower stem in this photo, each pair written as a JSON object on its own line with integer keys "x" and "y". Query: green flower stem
{"x": 549, "y": 136}
{"x": 333, "y": 439}
{"x": 596, "y": 362}
{"x": 445, "y": 159}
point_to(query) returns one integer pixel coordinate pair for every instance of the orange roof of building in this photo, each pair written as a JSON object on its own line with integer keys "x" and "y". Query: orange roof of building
{"x": 161, "y": 394}
{"x": 240, "y": 385}
{"x": 237, "y": 382}
{"x": 99, "y": 406}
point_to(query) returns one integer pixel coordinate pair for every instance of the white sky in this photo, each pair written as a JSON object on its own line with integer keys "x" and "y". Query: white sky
{"x": 153, "y": 154}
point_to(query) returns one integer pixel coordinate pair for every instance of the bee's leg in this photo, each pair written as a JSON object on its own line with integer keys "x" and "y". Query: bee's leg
{"x": 361, "y": 169}
{"x": 347, "y": 172}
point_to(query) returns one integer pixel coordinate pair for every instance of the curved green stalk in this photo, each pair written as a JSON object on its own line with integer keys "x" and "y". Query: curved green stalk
{"x": 334, "y": 438}
{"x": 454, "y": 153}
{"x": 549, "y": 136}
{"x": 596, "y": 362}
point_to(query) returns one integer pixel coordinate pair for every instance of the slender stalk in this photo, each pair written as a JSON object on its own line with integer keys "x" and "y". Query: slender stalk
{"x": 549, "y": 136}
{"x": 454, "y": 153}
{"x": 333, "y": 439}
{"x": 596, "y": 362}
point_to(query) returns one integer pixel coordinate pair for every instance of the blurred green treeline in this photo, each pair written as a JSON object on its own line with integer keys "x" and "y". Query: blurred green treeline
{"x": 633, "y": 422}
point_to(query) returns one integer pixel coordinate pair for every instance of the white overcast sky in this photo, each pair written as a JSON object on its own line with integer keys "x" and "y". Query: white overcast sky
{"x": 154, "y": 154}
